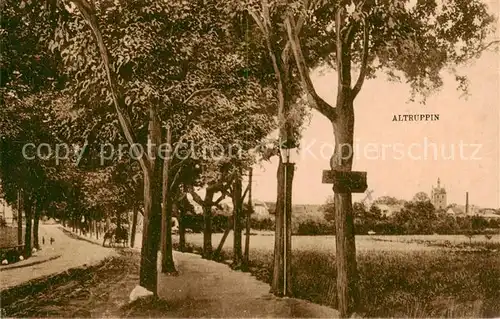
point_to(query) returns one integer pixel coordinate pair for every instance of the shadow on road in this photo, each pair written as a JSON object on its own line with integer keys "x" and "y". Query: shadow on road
{"x": 94, "y": 291}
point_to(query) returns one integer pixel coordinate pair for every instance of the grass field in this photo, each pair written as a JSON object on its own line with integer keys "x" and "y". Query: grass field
{"x": 400, "y": 276}
{"x": 265, "y": 241}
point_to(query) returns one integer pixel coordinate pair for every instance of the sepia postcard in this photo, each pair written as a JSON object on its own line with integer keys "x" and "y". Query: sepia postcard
{"x": 249, "y": 159}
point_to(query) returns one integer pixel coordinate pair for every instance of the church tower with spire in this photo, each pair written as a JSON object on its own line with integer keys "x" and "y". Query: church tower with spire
{"x": 438, "y": 196}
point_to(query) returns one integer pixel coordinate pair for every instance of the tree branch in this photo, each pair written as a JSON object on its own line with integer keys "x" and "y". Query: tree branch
{"x": 197, "y": 198}
{"x": 265, "y": 13}
{"x": 195, "y": 93}
{"x": 316, "y": 101}
{"x": 338, "y": 41}
{"x": 182, "y": 161}
{"x": 272, "y": 54}
{"x": 490, "y": 44}
{"x": 364, "y": 61}
{"x": 259, "y": 22}
{"x": 245, "y": 192}
{"x": 181, "y": 196}
{"x": 228, "y": 191}
{"x": 220, "y": 199}
{"x": 300, "y": 23}
{"x": 88, "y": 12}
{"x": 174, "y": 180}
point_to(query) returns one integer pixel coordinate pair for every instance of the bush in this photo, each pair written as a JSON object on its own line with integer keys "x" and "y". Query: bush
{"x": 12, "y": 255}
{"x": 408, "y": 223}
{"x": 310, "y": 225}
{"x": 219, "y": 223}
{"x": 311, "y": 228}
{"x": 262, "y": 224}
{"x": 193, "y": 222}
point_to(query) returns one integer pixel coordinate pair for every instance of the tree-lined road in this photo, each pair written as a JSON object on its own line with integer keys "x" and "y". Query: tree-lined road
{"x": 74, "y": 253}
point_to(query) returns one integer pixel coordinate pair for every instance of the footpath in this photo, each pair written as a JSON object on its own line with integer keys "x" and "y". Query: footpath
{"x": 205, "y": 288}
{"x": 202, "y": 288}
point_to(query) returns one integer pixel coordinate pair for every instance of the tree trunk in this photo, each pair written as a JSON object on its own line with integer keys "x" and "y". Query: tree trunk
{"x": 281, "y": 282}
{"x": 151, "y": 228}
{"x": 182, "y": 226}
{"x": 168, "y": 265}
{"x": 36, "y": 244}
{"x": 28, "y": 210}
{"x": 207, "y": 231}
{"x": 223, "y": 239}
{"x": 246, "y": 259}
{"x": 134, "y": 228}
{"x": 345, "y": 256}
{"x": 91, "y": 226}
{"x": 152, "y": 175}
{"x": 347, "y": 275}
{"x": 118, "y": 220}
{"x": 19, "y": 219}
{"x": 167, "y": 262}
{"x": 281, "y": 286}
{"x": 79, "y": 224}
{"x": 289, "y": 172}
{"x": 237, "y": 227}
{"x": 97, "y": 226}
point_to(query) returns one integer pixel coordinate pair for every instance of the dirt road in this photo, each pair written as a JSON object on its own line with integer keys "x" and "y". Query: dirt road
{"x": 74, "y": 253}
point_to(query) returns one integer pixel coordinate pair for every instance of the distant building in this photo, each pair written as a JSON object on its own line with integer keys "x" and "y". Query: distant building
{"x": 456, "y": 210}
{"x": 488, "y": 213}
{"x": 225, "y": 207}
{"x": 260, "y": 210}
{"x": 438, "y": 196}
{"x": 6, "y": 212}
{"x": 459, "y": 210}
{"x": 298, "y": 209}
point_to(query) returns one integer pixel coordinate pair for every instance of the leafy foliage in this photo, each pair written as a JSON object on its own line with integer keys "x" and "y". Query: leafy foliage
{"x": 411, "y": 43}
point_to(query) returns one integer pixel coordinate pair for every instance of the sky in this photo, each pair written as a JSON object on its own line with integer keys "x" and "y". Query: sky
{"x": 462, "y": 146}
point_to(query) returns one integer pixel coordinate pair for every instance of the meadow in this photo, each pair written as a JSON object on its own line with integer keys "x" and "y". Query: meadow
{"x": 400, "y": 276}
{"x": 265, "y": 241}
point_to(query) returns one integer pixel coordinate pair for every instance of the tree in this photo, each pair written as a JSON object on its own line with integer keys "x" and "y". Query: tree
{"x": 157, "y": 77}
{"x": 359, "y": 209}
{"x": 421, "y": 197}
{"x": 248, "y": 209}
{"x": 391, "y": 37}
{"x": 25, "y": 172}
{"x": 29, "y": 79}
{"x": 418, "y": 217}
{"x": 224, "y": 174}
{"x": 479, "y": 224}
{"x": 207, "y": 203}
{"x": 446, "y": 223}
{"x": 328, "y": 209}
{"x": 270, "y": 58}
{"x": 388, "y": 200}
{"x": 375, "y": 212}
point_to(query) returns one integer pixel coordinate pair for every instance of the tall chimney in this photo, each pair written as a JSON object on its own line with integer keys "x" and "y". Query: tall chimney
{"x": 466, "y": 203}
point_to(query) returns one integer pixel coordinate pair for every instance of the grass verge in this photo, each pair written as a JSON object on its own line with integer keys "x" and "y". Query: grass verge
{"x": 95, "y": 291}
{"x": 413, "y": 284}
